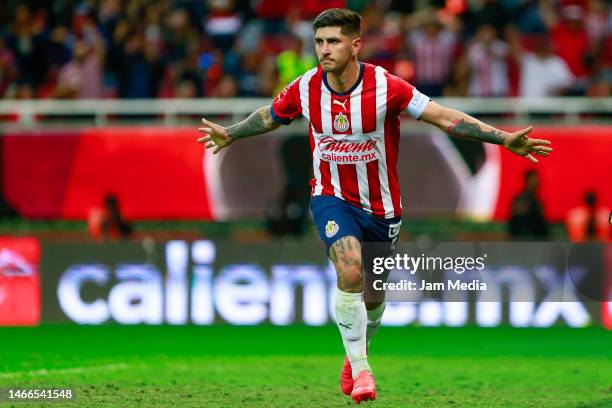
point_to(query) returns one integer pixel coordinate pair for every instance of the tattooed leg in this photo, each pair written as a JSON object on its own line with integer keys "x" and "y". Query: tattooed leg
{"x": 346, "y": 257}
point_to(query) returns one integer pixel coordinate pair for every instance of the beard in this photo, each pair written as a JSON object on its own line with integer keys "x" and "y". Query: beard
{"x": 332, "y": 66}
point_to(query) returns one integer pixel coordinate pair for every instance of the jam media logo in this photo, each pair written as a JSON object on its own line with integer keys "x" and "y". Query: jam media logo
{"x": 341, "y": 122}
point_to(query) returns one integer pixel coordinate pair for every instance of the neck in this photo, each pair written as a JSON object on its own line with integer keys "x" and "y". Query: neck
{"x": 343, "y": 81}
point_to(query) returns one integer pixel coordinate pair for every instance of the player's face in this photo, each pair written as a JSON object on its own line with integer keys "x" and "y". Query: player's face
{"x": 334, "y": 49}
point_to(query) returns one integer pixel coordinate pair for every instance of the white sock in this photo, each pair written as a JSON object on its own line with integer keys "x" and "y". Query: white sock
{"x": 374, "y": 318}
{"x": 351, "y": 319}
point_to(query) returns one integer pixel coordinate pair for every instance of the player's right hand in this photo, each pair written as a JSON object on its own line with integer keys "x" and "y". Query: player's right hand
{"x": 216, "y": 136}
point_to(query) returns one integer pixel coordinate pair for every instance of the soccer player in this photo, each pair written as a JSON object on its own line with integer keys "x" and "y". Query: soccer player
{"x": 353, "y": 112}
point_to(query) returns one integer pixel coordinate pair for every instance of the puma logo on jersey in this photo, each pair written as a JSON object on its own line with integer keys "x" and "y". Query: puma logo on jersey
{"x": 343, "y": 103}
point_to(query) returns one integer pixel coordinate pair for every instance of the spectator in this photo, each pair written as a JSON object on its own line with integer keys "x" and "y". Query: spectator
{"x": 432, "y": 47}
{"x": 59, "y": 50}
{"x": 600, "y": 85}
{"x": 189, "y": 72}
{"x": 527, "y": 16}
{"x": 249, "y": 80}
{"x": 487, "y": 64}
{"x": 490, "y": 12}
{"x": 382, "y": 37}
{"x": 109, "y": 16}
{"x": 59, "y": 53}
{"x": 542, "y": 72}
{"x": 228, "y": 88}
{"x": 268, "y": 77}
{"x": 178, "y": 33}
{"x": 150, "y": 44}
{"x": 107, "y": 223}
{"x": 138, "y": 65}
{"x": 272, "y": 14}
{"x": 8, "y": 71}
{"x": 186, "y": 88}
{"x": 569, "y": 37}
{"x": 597, "y": 19}
{"x": 214, "y": 68}
{"x": 82, "y": 77}
{"x": 28, "y": 46}
{"x": 589, "y": 221}
{"x": 292, "y": 63}
{"x": 20, "y": 90}
{"x": 223, "y": 23}
{"x": 527, "y": 218}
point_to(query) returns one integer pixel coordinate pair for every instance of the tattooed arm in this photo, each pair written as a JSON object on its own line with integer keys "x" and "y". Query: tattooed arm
{"x": 219, "y": 137}
{"x": 459, "y": 124}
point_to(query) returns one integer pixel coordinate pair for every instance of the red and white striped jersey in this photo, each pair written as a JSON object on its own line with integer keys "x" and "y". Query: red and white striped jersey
{"x": 354, "y": 136}
{"x": 433, "y": 56}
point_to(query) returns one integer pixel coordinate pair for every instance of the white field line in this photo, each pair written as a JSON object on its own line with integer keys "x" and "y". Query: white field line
{"x": 65, "y": 371}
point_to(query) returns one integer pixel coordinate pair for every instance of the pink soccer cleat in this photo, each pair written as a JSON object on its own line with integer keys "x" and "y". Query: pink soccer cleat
{"x": 346, "y": 377}
{"x": 364, "y": 388}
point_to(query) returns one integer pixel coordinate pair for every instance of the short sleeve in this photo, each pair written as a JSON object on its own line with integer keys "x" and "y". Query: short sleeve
{"x": 286, "y": 106}
{"x": 406, "y": 97}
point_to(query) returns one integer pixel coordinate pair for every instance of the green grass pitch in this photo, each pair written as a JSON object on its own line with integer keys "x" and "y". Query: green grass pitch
{"x": 297, "y": 366}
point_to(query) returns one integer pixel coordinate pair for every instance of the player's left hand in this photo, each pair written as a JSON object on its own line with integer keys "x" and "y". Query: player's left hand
{"x": 519, "y": 143}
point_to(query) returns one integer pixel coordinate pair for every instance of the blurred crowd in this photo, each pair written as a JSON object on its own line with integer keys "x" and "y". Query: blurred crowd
{"x": 230, "y": 48}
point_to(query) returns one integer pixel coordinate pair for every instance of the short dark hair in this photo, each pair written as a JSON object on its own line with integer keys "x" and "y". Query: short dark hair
{"x": 348, "y": 21}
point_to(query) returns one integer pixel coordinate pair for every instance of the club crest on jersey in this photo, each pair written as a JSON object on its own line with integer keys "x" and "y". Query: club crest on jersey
{"x": 331, "y": 229}
{"x": 341, "y": 122}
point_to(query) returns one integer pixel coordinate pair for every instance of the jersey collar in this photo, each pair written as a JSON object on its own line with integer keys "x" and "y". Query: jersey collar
{"x": 329, "y": 88}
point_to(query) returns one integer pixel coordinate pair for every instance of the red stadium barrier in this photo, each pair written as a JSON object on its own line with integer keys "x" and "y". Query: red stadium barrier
{"x": 155, "y": 172}
{"x": 580, "y": 162}
{"x": 159, "y": 173}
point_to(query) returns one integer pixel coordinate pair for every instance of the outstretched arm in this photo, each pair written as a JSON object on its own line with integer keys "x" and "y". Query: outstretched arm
{"x": 459, "y": 124}
{"x": 219, "y": 137}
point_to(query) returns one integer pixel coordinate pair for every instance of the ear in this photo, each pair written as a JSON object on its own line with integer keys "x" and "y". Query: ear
{"x": 356, "y": 45}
